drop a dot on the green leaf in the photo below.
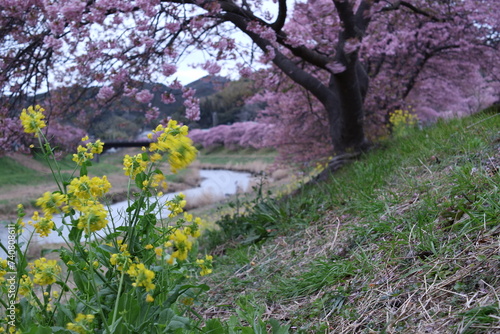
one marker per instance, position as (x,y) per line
(60,330)
(48,251)
(83,170)
(108,249)
(173,321)
(214,326)
(37,329)
(75,234)
(277,328)
(114,326)
(64,309)
(139,179)
(133,207)
(80,281)
(180,289)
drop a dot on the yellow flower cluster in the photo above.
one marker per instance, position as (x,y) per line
(51,203)
(399,119)
(121,260)
(83,193)
(3,269)
(174,141)
(205,265)
(176,205)
(25,285)
(32,119)
(138,271)
(135,165)
(155,181)
(93,217)
(181,244)
(193,229)
(143,276)
(82,324)
(84,188)
(85,153)
(43,225)
(45,271)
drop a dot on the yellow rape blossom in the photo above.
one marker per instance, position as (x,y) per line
(3,269)
(143,276)
(134,165)
(42,225)
(193,229)
(85,153)
(82,155)
(400,120)
(158,251)
(25,285)
(45,271)
(182,153)
(176,205)
(149,299)
(205,265)
(51,202)
(93,217)
(174,141)
(121,260)
(155,157)
(82,324)
(32,119)
(85,188)
(181,244)
(96,148)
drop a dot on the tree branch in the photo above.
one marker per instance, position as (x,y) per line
(280,20)
(398,4)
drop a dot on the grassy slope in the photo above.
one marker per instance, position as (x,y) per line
(404,240)
(12,173)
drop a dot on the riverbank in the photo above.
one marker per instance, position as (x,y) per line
(25,178)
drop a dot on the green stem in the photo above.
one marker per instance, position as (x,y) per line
(115,312)
(56,174)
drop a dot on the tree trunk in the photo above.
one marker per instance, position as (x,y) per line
(345,108)
(343,97)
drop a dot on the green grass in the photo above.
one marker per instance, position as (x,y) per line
(11,173)
(403,240)
(222,156)
(104,164)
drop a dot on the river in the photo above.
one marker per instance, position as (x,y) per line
(216,183)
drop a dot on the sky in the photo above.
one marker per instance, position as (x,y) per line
(187,74)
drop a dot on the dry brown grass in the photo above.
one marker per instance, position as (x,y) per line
(253,167)
(202,200)
(388,300)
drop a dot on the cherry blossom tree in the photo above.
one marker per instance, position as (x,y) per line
(332,62)
(437,58)
(237,135)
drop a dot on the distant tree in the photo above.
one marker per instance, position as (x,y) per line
(234,136)
(323,52)
(227,105)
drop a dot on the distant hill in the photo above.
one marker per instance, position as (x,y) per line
(222,101)
(121,118)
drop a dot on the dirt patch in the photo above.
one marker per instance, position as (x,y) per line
(29,162)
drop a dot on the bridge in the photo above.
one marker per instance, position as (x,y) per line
(120,144)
